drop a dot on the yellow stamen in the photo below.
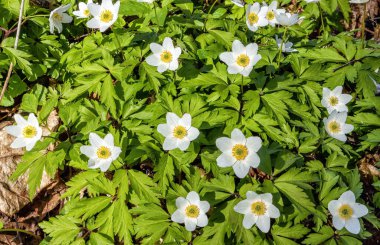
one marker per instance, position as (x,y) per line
(345,211)
(86,12)
(259,208)
(57,17)
(29,131)
(243,60)
(166,56)
(179,132)
(103,152)
(334,127)
(106,16)
(270,15)
(239,151)
(192,211)
(253,18)
(333,100)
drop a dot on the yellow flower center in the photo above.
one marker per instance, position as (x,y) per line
(106,16)
(270,15)
(334,127)
(192,211)
(86,12)
(103,152)
(239,151)
(29,131)
(345,211)
(333,100)
(166,56)
(253,18)
(179,132)
(243,60)
(57,17)
(259,208)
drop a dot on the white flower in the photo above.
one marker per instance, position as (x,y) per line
(238,152)
(178,132)
(336,126)
(346,211)
(256,16)
(239,3)
(272,10)
(286,47)
(27,132)
(164,56)
(145,1)
(191,211)
(257,209)
(311,1)
(335,100)
(359,1)
(57,17)
(287,19)
(104,15)
(102,152)
(242,59)
(83,11)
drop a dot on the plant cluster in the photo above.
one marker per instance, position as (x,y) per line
(193,122)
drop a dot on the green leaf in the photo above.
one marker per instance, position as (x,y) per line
(29,103)
(62,229)
(144,186)
(164,173)
(324,55)
(318,238)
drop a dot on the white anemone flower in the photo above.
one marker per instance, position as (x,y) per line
(101,152)
(286,47)
(83,11)
(242,59)
(104,15)
(359,1)
(272,10)
(58,16)
(346,212)
(239,152)
(257,209)
(256,16)
(27,132)
(336,126)
(177,131)
(239,3)
(191,211)
(335,100)
(164,56)
(287,19)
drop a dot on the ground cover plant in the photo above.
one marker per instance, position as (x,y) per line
(194,122)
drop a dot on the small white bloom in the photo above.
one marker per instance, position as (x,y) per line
(287,19)
(242,59)
(335,100)
(257,209)
(83,11)
(238,152)
(272,10)
(57,17)
(311,1)
(177,131)
(359,1)
(239,3)
(27,132)
(191,211)
(164,56)
(256,16)
(286,47)
(346,212)
(336,126)
(104,15)
(145,1)
(101,152)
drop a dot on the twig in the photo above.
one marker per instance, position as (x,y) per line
(16,44)
(23,231)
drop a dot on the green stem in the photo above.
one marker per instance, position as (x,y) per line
(155,12)
(208,13)
(22,231)
(363,24)
(282,44)
(241,99)
(321,15)
(119,44)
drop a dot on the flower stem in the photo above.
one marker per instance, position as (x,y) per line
(321,15)
(23,231)
(363,24)
(282,44)
(241,99)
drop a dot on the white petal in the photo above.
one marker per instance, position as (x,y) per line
(347,128)
(338,222)
(89,151)
(115,151)
(202,220)
(254,143)
(116,8)
(238,47)
(30,145)
(162,67)
(32,120)
(241,170)
(333,207)
(252,160)
(246,71)
(109,139)
(107,4)
(345,98)
(183,144)
(20,120)
(104,27)
(190,224)
(224,144)
(227,57)
(192,133)
(181,203)
(249,220)
(252,49)
(178,216)
(93,23)
(225,160)
(13,130)
(263,223)
(234,69)
(204,206)
(273,211)
(169,144)
(95,140)
(251,195)
(347,197)
(153,60)
(185,120)
(173,65)
(243,207)
(18,143)
(193,198)
(177,52)
(156,48)
(168,43)
(340,137)
(172,119)
(255,59)
(353,225)
(341,116)
(359,210)
(66,18)
(326,93)
(105,165)
(237,136)
(164,129)
(94,9)
(337,90)
(267,197)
